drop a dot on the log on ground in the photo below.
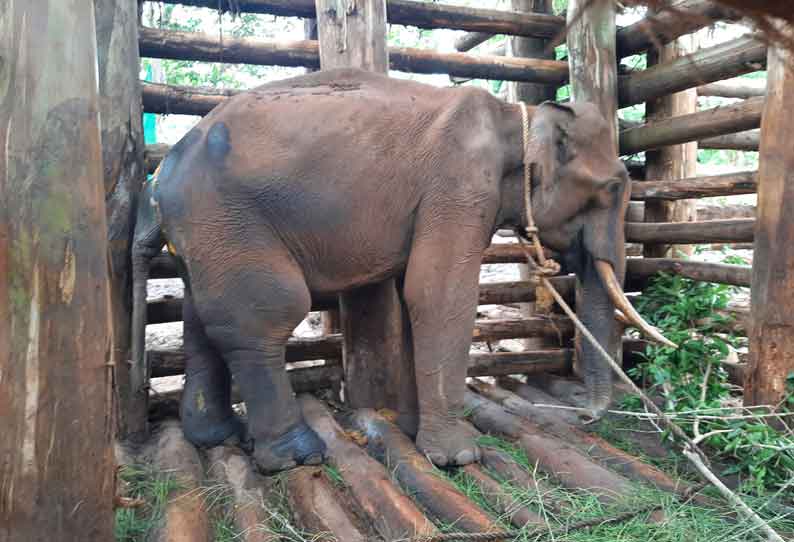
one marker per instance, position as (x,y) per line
(419,14)
(178,45)
(713,122)
(392,513)
(231,468)
(549,420)
(418,476)
(729,184)
(563,461)
(316,506)
(502,500)
(185,516)
(736,230)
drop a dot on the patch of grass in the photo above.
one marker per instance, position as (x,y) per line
(334,475)
(150,485)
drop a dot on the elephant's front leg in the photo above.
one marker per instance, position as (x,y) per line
(441,292)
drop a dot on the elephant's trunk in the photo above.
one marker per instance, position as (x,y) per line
(596,311)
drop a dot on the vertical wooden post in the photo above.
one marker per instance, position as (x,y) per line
(377,347)
(56,471)
(673,162)
(592,58)
(122,156)
(772,303)
(533,94)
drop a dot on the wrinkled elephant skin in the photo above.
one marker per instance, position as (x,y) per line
(327,182)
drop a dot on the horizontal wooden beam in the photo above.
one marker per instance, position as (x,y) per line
(173,44)
(640,270)
(713,122)
(471,40)
(742,141)
(172,362)
(691,233)
(415,13)
(181,100)
(735,88)
(729,184)
(683,17)
(736,57)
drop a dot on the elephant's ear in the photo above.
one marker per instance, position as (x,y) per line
(548,145)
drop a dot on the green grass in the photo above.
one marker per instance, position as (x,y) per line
(152,486)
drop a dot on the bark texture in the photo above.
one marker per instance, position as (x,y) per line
(57,467)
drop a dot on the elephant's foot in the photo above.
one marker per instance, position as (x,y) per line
(446,441)
(298,446)
(206,433)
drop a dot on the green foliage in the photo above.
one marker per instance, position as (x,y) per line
(692,382)
(154,488)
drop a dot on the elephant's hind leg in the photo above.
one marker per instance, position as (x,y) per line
(206,410)
(249,317)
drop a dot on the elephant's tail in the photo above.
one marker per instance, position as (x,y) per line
(147,242)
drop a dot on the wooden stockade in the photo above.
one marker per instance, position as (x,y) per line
(576,459)
(733,126)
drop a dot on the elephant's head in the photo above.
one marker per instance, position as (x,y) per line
(580,192)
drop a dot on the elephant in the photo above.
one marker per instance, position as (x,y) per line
(327,182)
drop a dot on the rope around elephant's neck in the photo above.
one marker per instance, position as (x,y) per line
(546,267)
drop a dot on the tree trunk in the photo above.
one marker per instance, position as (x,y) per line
(772,336)
(673,162)
(57,469)
(122,156)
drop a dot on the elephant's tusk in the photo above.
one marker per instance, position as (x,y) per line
(621,302)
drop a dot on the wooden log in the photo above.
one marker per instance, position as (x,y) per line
(524,362)
(592,55)
(522,47)
(122,158)
(596,447)
(507,470)
(742,141)
(391,512)
(470,40)
(717,121)
(771,359)
(56,330)
(169,309)
(502,500)
(735,88)
(231,468)
(420,14)
(172,362)
(536,394)
(354,38)
(417,475)
(729,184)
(640,270)
(565,462)
(185,517)
(674,162)
(180,45)
(712,231)
(683,17)
(736,57)
(303,380)
(182,100)
(316,506)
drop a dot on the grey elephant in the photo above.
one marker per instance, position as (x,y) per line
(327,182)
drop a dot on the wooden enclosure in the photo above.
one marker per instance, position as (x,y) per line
(667,186)
(367,348)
